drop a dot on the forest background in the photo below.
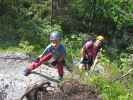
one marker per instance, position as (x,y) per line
(25,26)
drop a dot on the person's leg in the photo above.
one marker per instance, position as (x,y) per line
(60,67)
(89,67)
(90,63)
(43,59)
(82,66)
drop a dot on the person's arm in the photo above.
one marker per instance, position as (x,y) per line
(41,55)
(45,51)
(85,48)
(96,59)
(82,53)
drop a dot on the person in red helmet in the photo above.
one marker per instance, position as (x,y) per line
(89,52)
(54,52)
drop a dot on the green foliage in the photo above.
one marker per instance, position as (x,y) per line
(24,20)
(26,47)
(109,90)
(26,25)
(72,43)
(104,16)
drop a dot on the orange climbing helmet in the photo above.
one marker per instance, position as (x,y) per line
(100,38)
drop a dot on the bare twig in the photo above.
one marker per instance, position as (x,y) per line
(124,75)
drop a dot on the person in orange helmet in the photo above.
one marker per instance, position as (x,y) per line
(89,52)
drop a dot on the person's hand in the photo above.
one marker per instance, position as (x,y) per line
(26,72)
(81,59)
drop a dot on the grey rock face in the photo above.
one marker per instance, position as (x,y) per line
(12,82)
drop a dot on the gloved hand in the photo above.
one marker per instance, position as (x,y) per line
(26,72)
(54,62)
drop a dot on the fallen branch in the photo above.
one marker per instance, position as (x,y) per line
(124,75)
